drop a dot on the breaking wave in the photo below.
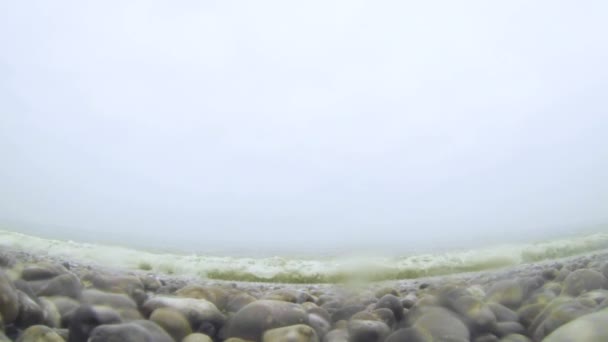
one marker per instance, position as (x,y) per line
(309,270)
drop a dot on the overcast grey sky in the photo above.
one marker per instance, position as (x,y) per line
(279,122)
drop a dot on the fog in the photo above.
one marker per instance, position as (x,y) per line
(273,125)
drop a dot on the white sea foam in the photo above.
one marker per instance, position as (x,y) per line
(302,270)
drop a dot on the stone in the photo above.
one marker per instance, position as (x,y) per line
(123,304)
(550,273)
(9,299)
(346,312)
(515,338)
(336,335)
(386,316)
(367,331)
(386,290)
(409,335)
(30,313)
(42,271)
(528,313)
(114,283)
(289,295)
(197,337)
(40,333)
(583,280)
(587,328)
(508,328)
(292,333)
(214,294)
(257,317)
(52,317)
(392,303)
(85,318)
(557,314)
(150,283)
(442,325)
(174,323)
(202,314)
(313,308)
(408,302)
(7,260)
(503,313)
(508,292)
(114,300)
(475,314)
(139,330)
(64,305)
(238,301)
(319,323)
(62,285)
(486,338)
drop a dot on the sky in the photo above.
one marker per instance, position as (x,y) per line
(316,125)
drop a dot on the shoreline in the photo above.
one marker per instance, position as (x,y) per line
(46,295)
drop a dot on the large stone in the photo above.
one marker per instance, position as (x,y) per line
(367,331)
(114,283)
(346,312)
(39,333)
(219,296)
(583,280)
(52,317)
(336,335)
(7,260)
(503,313)
(172,321)
(509,293)
(150,283)
(114,300)
(476,314)
(385,315)
(313,308)
(558,315)
(528,313)
(289,295)
(64,305)
(238,301)
(292,333)
(9,299)
(62,285)
(42,271)
(202,314)
(588,328)
(140,330)
(123,304)
(320,324)
(255,318)
(392,303)
(30,313)
(442,325)
(85,318)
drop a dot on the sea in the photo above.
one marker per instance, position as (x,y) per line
(309,268)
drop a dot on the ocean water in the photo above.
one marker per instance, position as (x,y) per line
(283,269)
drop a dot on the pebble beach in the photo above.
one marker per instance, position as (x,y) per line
(45,298)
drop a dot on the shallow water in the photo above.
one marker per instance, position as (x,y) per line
(368,267)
